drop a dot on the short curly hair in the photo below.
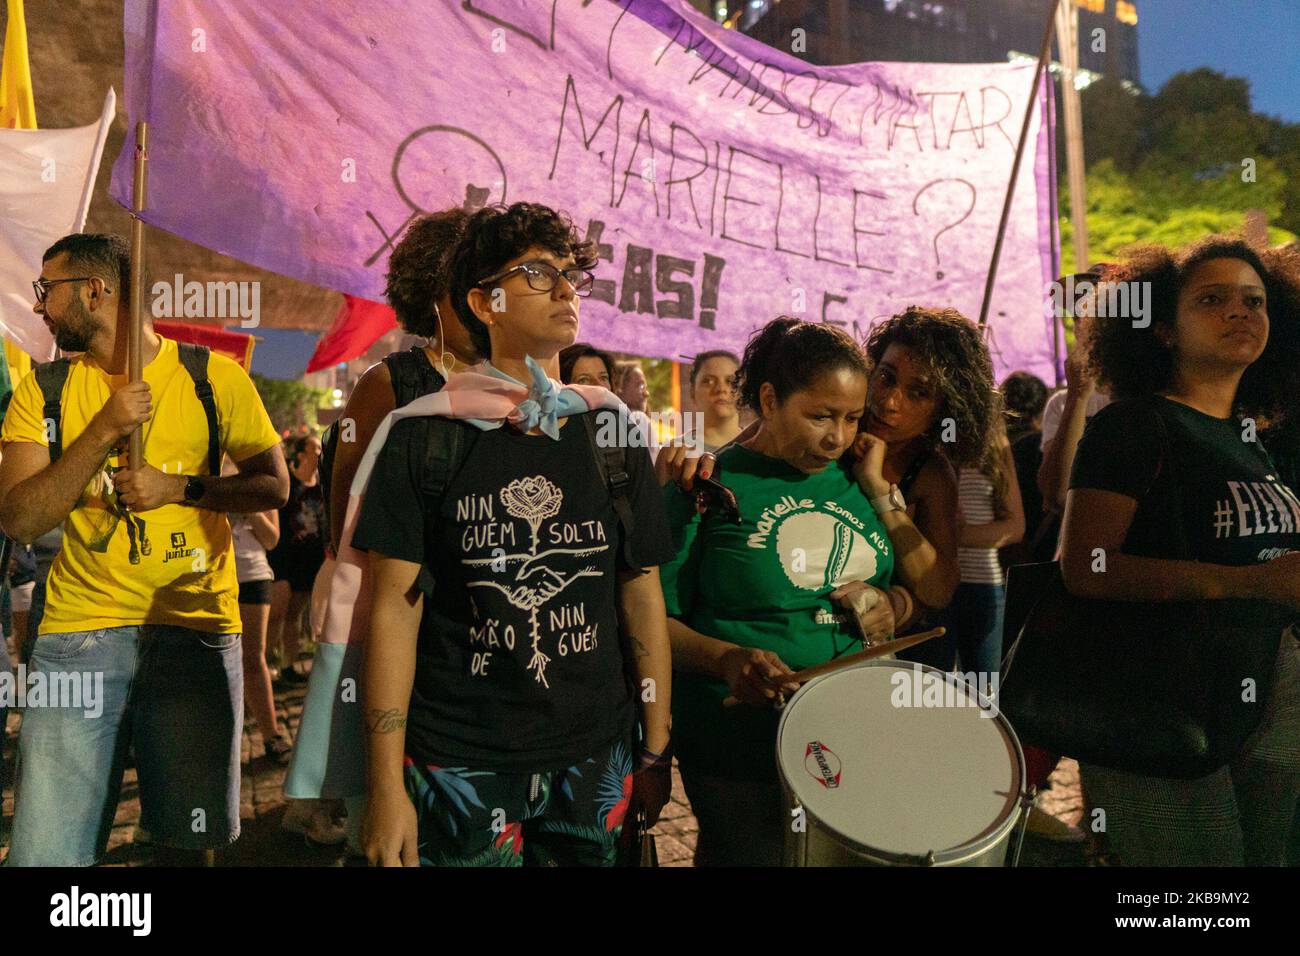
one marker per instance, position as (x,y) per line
(1129,361)
(791,354)
(496,234)
(417,269)
(953,351)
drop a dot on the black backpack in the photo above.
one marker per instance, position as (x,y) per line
(412,375)
(51,377)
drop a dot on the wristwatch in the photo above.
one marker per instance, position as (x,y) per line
(193,489)
(892,500)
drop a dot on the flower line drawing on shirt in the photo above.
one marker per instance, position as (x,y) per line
(534,500)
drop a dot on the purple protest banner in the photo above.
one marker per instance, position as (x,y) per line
(725,182)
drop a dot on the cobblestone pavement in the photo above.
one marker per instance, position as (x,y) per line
(262,805)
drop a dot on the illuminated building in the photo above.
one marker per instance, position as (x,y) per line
(940,31)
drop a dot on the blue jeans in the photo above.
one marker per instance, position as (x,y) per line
(976,614)
(4,709)
(174,696)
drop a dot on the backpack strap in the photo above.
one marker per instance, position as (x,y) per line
(412,375)
(431,380)
(329,441)
(611,464)
(51,377)
(447,447)
(195,359)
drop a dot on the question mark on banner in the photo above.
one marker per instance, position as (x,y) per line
(951,225)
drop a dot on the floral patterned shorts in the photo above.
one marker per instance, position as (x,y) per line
(569,817)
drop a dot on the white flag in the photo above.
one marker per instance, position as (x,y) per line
(46,179)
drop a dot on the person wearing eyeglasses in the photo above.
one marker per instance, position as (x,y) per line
(144,592)
(629,385)
(509,611)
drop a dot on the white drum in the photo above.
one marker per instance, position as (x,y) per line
(895,764)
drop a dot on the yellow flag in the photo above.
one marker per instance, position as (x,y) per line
(17,111)
(17,106)
(20,363)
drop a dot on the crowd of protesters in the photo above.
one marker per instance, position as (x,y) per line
(537,621)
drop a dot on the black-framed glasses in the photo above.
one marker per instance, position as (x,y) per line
(42,286)
(543,277)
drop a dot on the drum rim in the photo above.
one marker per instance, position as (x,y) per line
(952,855)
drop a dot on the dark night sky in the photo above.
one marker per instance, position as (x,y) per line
(1255,39)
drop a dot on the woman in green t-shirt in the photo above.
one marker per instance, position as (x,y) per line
(752,602)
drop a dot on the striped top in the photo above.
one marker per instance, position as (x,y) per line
(975,495)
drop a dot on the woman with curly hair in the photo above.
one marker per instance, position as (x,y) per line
(1171,485)
(752,601)
(513,592)
(932,406)
(418,288)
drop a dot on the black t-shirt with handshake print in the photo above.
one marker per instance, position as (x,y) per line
(1200,472)
(519,666)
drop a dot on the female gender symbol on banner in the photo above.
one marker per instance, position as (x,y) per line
(453,167)
(447,160)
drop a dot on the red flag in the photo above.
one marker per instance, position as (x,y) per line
(237,345)
(358,326)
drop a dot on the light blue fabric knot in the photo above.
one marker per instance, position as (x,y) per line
(538,410)
(542,407)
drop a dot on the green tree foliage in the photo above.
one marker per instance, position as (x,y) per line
(1190,160)
(290,404)
(1152,205)
(659,382)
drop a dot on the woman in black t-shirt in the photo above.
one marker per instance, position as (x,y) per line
(1172,471)
(299,554)
(509,601)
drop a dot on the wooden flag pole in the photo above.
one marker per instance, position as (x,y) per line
(1067,39)
(1044,52)
(134,343)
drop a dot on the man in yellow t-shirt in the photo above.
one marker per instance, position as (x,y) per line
(139,646)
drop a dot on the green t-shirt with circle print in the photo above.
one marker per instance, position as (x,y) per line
(765,583)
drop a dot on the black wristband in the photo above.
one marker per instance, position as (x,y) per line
(193,489)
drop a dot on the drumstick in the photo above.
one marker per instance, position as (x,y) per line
(880,650)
